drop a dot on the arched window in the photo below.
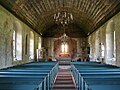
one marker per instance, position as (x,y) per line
(26,42)
(110,43)
(31,45)
(97,48)
(64,48)
(39,49)
(114,52)
(14,45)
(39,43)
(102,51)
(17,41)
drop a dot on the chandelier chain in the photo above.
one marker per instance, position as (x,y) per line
(63,18)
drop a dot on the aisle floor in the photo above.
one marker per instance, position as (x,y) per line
(64,79)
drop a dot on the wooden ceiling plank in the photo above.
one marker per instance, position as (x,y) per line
(97,9)
(88,14)
(43,8)
(101,8)
(93,8)
(82,5)
(39,9)
(107,10)
(90,8)
(18,3)
(79,7)
(36,7)
(33,10)
(78,4)
(26,17)
(48,3)
(87,5)
(100,11)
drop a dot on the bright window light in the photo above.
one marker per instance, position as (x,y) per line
(31,45)
(64,48)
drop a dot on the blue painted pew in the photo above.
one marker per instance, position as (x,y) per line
(104,87)
(12,82)
(18,76)
(46,67)
(19,87)
(51,75)
(38,64)
(97,74)
(33,71)
(94,71)
(107,82)
(21,73)
(102,78)
(88,64)
(25,76)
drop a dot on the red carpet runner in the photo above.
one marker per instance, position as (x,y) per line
(64,79)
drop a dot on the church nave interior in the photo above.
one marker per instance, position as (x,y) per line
(59,44)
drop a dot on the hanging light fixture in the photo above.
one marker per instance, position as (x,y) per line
(63,18)
(64,38)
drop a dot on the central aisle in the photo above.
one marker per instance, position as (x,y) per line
(64,79)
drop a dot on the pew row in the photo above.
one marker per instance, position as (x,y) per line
(95,76)
(30,76)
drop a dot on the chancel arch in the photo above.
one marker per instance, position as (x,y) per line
(65,50)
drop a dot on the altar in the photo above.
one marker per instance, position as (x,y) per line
(64,60)
(64,55)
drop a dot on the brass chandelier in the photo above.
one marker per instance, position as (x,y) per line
(63,18)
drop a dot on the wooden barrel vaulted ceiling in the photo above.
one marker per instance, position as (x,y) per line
(38,14)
